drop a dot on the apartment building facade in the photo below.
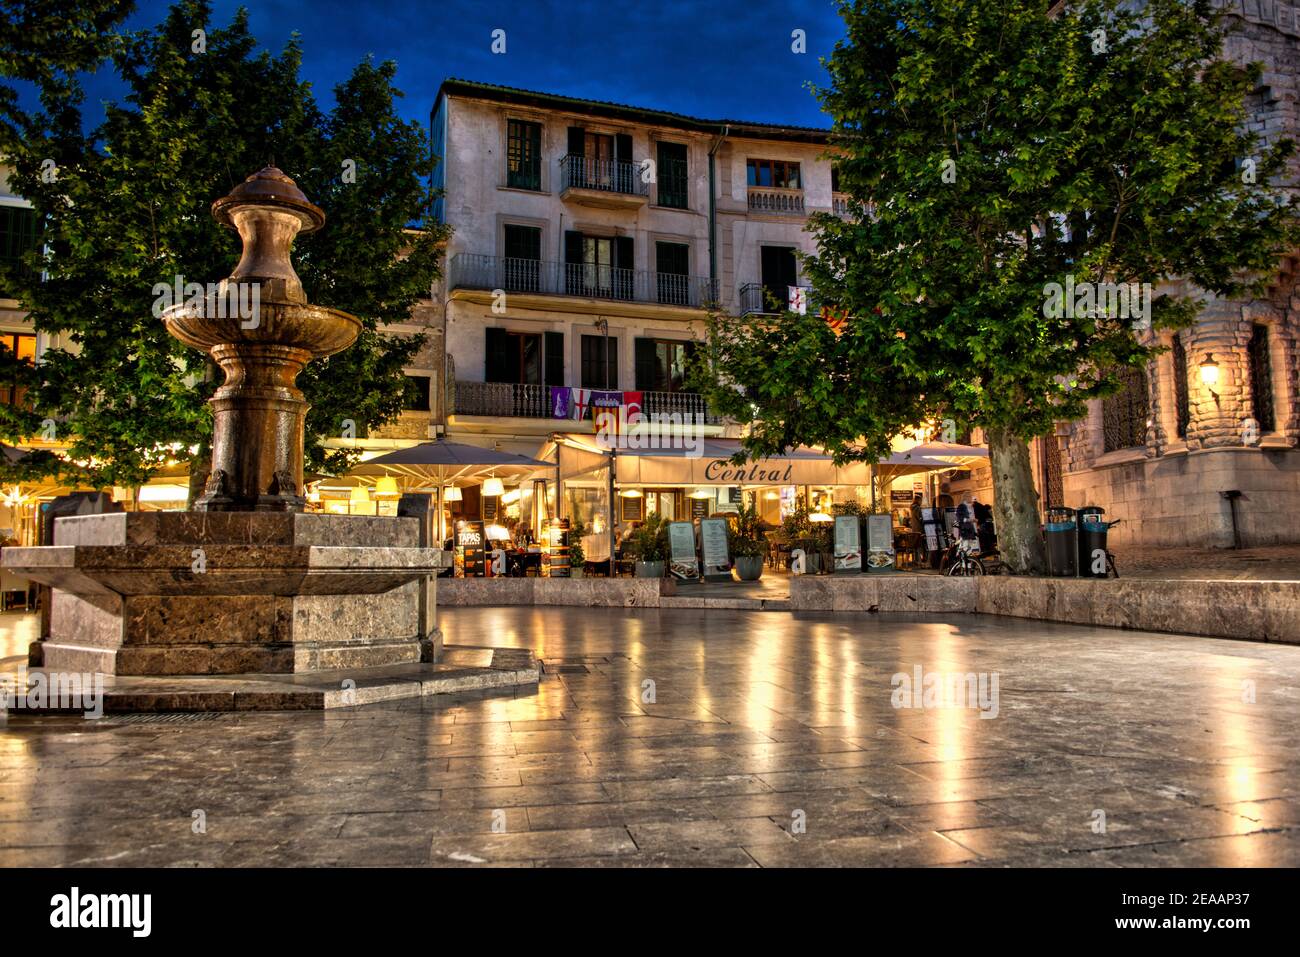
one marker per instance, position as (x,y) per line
(590,240)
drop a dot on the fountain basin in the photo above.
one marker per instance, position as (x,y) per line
(197,593)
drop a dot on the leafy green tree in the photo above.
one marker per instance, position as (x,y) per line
(992,149)
(130,209)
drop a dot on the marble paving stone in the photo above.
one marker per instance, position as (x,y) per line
(757,715)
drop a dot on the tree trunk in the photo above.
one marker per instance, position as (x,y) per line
(1015,505)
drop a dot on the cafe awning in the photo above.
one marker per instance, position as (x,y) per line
(706,463)
(432,464)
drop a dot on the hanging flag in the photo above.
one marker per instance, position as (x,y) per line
(559,402)
(798,299)
(605,410)
(632,402)
(581,399)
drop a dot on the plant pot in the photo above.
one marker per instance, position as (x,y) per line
(575,571)
(812,563)
(649,569)
(749,568)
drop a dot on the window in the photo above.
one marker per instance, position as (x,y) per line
(17,236)
(522,266)
(596,365)
(526,358)
(600,161)
(779,174)
(672,279)
(416,398)
(835,179)
(1124,414)
(599,266)
(523,155)
(1182,410)
(23,346)
(661,365)
(1261,379)
(671,173)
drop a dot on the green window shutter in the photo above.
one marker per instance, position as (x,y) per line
(498,357)
(644,354)
(554,368)
(671,175)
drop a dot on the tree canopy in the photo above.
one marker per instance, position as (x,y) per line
(991,150)
(128,208)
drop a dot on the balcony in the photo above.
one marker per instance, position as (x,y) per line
(604,184)
(776,202)
(524,401)
(754,301)
(472,271)
(840,205)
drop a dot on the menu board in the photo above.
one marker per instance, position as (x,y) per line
(880,543)
(930,524)
(713,543)
(681,552)
(848,544)
(469,548)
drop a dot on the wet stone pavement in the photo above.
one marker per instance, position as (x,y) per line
(765,739)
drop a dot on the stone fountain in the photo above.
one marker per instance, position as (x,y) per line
(246,583)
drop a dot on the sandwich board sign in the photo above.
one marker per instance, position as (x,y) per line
(848,544)
(682,562)
(713,543)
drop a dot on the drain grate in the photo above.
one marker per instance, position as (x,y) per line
(169,717)
(567,670)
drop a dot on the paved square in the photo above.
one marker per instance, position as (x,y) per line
(764,739)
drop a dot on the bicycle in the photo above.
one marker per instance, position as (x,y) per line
(968,559)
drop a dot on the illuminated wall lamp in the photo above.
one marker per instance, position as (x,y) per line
(1210,375)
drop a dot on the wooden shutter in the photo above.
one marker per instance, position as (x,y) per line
(498,357)
(554,368)
(645,364)
(623,252)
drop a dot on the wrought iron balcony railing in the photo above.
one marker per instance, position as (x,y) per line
(755,299)
(472,271)
(522,400)
(610,176)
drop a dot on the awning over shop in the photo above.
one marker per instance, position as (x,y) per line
(707,464)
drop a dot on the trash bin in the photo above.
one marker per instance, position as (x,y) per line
(1062,542)
(1092,541)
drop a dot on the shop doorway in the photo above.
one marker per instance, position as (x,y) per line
(664,502)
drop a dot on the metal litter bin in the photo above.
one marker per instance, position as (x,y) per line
(1062,542)
(1092,542)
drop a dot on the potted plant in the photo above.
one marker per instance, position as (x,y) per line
(748,544)
(577,555)
(803,533)
(649,544)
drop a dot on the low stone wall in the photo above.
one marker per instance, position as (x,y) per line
(583,592)
(1258,610)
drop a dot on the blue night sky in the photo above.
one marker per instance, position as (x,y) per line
(725,59)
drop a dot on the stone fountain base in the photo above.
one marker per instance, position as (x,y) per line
(233,593)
